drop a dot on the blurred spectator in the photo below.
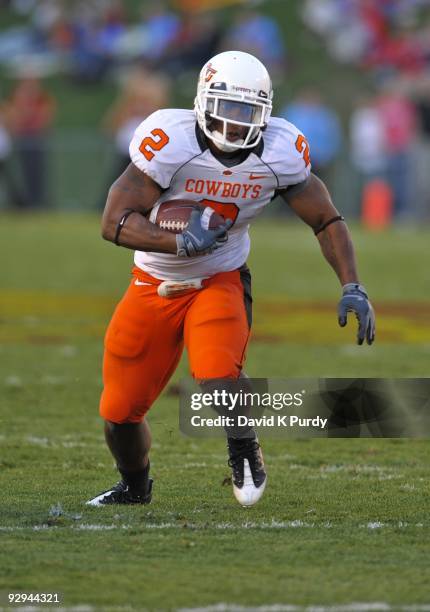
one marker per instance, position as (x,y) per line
(259,35)
(30,113)
(367,140)
(421,159)
(389,37)
(111,27)
(320,125)
(161,27)
(83,38)
(322,16)
(368,154)
(91,39)
(399,121)
(142,94)
(13,197)
(338,21)
(95,39)
(196,40)
(45,15)
(23,7)
(401,52)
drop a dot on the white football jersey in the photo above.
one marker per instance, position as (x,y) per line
(168,147)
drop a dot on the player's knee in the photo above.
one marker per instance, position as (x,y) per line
(116,408)
(211,362)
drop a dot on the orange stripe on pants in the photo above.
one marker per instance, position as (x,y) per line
(145,338)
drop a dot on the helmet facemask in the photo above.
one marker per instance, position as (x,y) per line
(232,110)
(249,114)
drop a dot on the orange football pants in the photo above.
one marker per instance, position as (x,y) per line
(147,333)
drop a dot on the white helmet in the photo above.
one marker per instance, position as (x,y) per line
(234,88)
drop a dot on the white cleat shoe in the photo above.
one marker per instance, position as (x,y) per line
(248,473)
(248,494)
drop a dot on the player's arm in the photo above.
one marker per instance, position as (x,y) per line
(130,198)
(312,203)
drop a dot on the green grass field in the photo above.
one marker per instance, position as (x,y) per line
(342,521)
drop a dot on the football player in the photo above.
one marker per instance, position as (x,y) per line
(230,154)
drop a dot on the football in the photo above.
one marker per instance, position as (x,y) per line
(173,215)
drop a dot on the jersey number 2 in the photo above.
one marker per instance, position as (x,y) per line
(302,146)
(149,145)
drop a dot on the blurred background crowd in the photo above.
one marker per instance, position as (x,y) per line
(76,78)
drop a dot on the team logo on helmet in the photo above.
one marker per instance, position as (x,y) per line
(210,71)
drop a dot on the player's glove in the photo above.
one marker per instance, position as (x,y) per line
(354,299)
(196,240)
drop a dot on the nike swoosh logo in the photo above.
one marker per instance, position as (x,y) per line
(254,177)
(138,282)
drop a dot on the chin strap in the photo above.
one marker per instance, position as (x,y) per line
(327,223)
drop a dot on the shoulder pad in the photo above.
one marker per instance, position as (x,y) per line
(163,142)
(286,151)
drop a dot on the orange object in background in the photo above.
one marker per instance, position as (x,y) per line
(377,205)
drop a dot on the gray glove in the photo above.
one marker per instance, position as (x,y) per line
(354,299)
(196,240)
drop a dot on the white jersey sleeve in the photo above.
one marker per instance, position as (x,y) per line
(286,152)
(162,143)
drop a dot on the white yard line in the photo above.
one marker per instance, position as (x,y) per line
(97,527)
(180,525)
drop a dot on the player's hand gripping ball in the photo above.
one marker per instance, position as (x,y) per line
(200,230)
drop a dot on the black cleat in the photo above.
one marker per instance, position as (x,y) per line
(248,473)
(120,494)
